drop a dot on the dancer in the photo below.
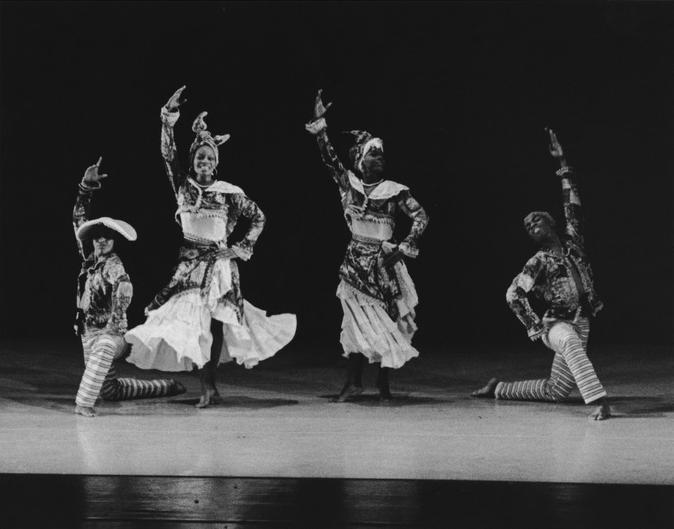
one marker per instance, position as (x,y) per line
(561,275)
(200,318)
(376,291)
(104,293)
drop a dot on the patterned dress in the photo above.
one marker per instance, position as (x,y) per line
(205,285)
(378,301)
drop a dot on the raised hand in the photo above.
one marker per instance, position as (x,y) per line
(319,108)
(555,147)
(176,99)
(92,177)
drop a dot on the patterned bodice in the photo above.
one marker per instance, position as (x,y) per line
(203,212)
(368,225)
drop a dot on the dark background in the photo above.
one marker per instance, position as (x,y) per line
(460,93)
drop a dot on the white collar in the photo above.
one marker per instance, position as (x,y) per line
(218,186)
(385,189)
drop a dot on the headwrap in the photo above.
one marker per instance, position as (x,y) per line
(543,214)
(364,143)
(204,137)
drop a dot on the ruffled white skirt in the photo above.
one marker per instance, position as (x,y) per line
(368,329)
(177,336)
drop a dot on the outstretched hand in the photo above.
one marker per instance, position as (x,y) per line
(319,108)
(555,147)
(176,99)
(91,176)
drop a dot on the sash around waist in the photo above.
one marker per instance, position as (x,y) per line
(194,241)
(367,240)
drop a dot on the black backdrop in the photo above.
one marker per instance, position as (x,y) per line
(460,92)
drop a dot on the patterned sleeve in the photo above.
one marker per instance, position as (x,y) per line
(169,150)
(409,205)
(516,297)
(572,205)
(339,174)
(249,209)
(81,211)
(122,292)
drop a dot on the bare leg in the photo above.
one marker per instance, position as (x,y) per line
(354,378)
(487,391)
(383,384)
(207,375)
(602,411)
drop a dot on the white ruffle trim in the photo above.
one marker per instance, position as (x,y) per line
(368,329)
(177,336)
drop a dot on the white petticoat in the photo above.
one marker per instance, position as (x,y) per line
(177,335)
(368,329)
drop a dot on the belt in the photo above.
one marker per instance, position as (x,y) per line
(366,240)
(199,242)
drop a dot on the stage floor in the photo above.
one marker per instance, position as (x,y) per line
(277,421)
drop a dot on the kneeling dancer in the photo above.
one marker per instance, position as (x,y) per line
(104,293)
(561,275)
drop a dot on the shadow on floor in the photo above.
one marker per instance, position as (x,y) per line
(399,400)
(641,407)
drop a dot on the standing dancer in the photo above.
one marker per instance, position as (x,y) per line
(376,291)
(104,293)
(561,275)
(200,318)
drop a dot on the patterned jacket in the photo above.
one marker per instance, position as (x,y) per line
(104,289)
(549,277)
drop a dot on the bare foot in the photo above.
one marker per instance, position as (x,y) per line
(601,413)
(347,392)
(208,397)
(85,411)
(486,392)
(177,388)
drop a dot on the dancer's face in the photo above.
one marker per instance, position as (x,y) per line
(539,228)
(204,163)
(373,165)
(103,241)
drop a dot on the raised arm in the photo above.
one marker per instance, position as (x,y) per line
(318,127)
(81,212)
(516,297)
(249,209)
(170,113)
(570,195)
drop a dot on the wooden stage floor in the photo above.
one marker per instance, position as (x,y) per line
(277,440)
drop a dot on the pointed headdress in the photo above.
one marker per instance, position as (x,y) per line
(203,137)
